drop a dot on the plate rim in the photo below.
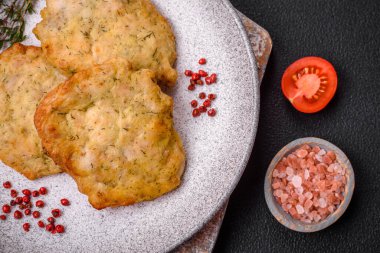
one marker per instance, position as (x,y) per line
(256,102)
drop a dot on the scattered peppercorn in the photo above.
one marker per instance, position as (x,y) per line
(202,61)
(7,185)
(27,211)
(26,227)
(17,215)
(211,112)
(41,224)
(6,209)
(194,103)
(43,191)
(14,193)
(188,73)
(50,227)
(26,192)
(3,217)
(65,202)
(60,229)
(40,203)
(36,214)
(202,73)
(35,194)
(202,95)
(56,213)
(26,199)
(196,113)
(51,220)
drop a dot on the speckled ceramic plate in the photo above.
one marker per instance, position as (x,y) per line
(217,148)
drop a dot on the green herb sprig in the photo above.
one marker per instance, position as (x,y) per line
(12,20)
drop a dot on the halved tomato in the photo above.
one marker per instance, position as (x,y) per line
(309,84)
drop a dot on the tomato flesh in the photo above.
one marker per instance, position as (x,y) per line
(309,84)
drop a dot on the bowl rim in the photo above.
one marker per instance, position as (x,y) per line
(283,217)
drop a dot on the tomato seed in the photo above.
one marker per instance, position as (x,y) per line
(40,203)
(211,112)
(65,202)
(7,185)
(6,209)
(202,61)
(188,72)
(17,215)
(36,214)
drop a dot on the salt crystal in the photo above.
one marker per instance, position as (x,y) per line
(284,197)
(331,168)
(275,173)
(332,155)
(301,153)
(289,171)
(299,190)
(288,206)
(343,172)
(301,199)
(282,175)
(322,152)
(278,193)
(338,178)
(331,209)
(303,164)
(322,202)
(318,158)
(289,178)
(297,181)
(307,174)
(317,218)
(316,149)
(300,209)
(308,204)
(308,195)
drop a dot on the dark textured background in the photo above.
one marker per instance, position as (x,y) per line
(346,33)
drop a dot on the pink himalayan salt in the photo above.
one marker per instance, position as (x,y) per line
(297,181)
(317,182)
(300,209)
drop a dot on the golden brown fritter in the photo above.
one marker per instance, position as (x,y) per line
(76,34)
(25,77)
(112,130)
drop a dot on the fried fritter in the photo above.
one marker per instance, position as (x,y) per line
(77,34)
(111,129)
(25,77)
